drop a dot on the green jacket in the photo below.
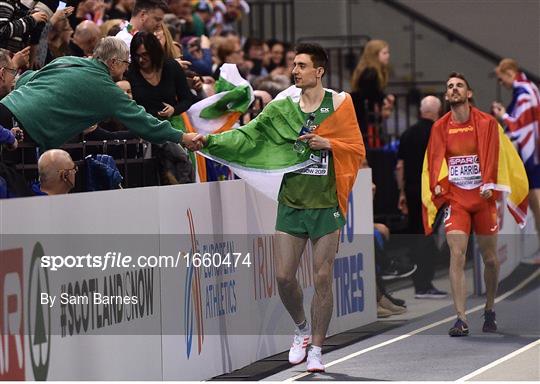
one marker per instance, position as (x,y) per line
(71,94)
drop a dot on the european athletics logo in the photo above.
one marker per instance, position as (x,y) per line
(193,316)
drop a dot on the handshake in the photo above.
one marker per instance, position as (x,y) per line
(193,141)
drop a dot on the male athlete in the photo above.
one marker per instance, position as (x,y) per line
(312,200)
(468,140)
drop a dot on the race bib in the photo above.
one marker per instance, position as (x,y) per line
(320,168)
(464,171)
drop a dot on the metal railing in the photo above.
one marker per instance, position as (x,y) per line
(271,19)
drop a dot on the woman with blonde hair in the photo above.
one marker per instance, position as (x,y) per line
(368,82)
(164,36)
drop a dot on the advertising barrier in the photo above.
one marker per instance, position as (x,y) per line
(214,310)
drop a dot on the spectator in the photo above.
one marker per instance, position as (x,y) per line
(369,79)
(7,76)
(198,53)
(254,54)
(160,86)
(58,39)
(228,13)
(16,24)
(125,86)
(111,27)
(412,147)
(147,17)
(522,123)
(68,105)
(192,24)
(84,41)
(165,38)
(87,10)
(286,70)
(204,11)
(175,25)
(42,35)
(56,173)
(277,55)
(158,82)
(121,9)
(7,73)
(228,50)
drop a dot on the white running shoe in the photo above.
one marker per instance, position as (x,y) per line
(314,361)
(297,353)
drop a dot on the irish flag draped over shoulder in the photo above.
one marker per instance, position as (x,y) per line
(262,151)
(501,167)
(217,113)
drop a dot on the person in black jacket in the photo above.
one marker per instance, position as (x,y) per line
(368,82)
(159,84)
(412,146)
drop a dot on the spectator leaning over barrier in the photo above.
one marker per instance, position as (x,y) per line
(56,173)
(147,17)
(56,103)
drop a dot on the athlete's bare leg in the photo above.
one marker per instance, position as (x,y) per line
(324,253)
(288,252)
(488,248)
(457,242)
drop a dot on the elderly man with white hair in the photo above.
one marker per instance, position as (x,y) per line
(412,146)
(70,94)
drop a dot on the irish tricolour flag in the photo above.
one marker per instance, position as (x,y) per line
(217,113)
(262,150)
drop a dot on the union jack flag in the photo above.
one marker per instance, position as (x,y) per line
(522,119)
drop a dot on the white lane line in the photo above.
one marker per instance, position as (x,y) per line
(497,362)
(429,326)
